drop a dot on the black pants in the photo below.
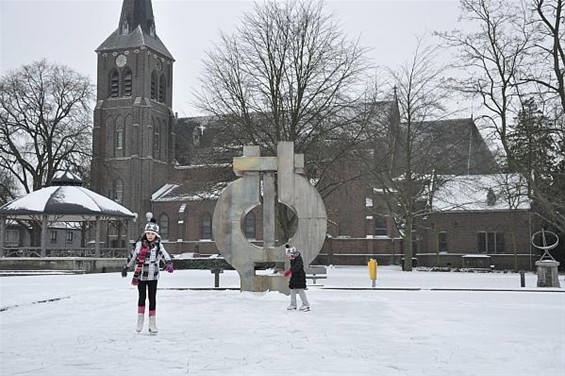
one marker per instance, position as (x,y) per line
(142,288)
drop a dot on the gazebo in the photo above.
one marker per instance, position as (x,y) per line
(66,200)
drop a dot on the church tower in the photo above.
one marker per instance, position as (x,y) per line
(133,139)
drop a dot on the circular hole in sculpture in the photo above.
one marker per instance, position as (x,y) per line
(285,223)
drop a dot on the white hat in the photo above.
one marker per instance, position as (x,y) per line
(291,251)
(152,227)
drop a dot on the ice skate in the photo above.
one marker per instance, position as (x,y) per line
(291,308)
(139,326)
(305,308)
(153,325)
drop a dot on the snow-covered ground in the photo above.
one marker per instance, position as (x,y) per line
(409,325)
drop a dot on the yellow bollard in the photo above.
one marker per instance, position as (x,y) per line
(373,271)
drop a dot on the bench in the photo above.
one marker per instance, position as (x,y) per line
(315,272)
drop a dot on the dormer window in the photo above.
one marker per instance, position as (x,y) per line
(125,27)
(197,133)
(491,197)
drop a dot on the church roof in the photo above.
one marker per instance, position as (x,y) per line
(136,29)
(457,141)
(136,39)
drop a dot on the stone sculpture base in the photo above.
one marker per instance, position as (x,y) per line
(547,273)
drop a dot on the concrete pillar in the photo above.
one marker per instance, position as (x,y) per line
(269,192)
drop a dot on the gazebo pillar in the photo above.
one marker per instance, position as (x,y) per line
(97,240)
(44,235)
(2,235)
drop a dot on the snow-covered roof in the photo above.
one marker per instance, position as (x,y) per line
(187,192)
(471,193)
(163,191)
(64,203)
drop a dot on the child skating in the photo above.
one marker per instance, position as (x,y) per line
(297,283)
(146,255)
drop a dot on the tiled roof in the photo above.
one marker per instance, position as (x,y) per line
(135,39)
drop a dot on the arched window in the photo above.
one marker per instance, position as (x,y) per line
(110,147)
(249,224)
(118,190)
(162,87)
(156,139)
(114,89)
(154,83)
(119,138)
(126,83)
(164,226)
(206,232)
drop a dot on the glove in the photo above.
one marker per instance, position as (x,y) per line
(125,272)
(135,281)
(169,267)
(287,273)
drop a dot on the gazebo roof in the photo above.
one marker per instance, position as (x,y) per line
(67,201)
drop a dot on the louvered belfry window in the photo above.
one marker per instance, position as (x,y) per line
(154,86)
(114,84)
(162,86)
(127,83)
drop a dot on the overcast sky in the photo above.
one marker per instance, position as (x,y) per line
(69,31)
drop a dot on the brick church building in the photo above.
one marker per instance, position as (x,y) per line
(148,160)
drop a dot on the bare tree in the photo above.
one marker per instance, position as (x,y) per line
(548,72)
(548,23)
(411,162)
(45,123)
(7,187)
(492,58)
(287,74)
(45,126)
(517,54)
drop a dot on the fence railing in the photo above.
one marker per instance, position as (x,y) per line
(64,252)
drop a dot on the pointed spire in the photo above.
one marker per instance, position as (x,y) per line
(137,13)
(136,29)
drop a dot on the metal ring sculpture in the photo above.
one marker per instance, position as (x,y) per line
(546,248)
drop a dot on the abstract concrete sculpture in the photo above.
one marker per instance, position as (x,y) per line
(244,194)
